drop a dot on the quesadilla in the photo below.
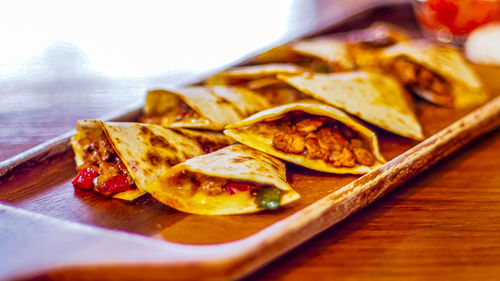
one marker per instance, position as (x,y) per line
(344,52)
(232,180)
(323,54)
(209,108)
(374,97)
(436,73)
(312,135)
(365,45)
(355,49)
(262,80)
(119,159)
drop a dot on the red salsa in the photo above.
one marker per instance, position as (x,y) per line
(102,169)
(460,17)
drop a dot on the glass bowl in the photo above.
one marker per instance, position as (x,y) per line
(450,21)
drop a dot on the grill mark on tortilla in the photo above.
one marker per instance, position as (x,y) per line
(221,100)
(275,166)
(153,158)
(144,131)
(172,161)
(241,159)
(186,156)
(160,141)
(181,133)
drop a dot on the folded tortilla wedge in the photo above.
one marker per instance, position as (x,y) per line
(209,108)
(374,97)
(139,152)
(233,180)
(323,54)
(262,80)
(313,135)
(243,74)
(354,49)
(365,45)
(436,73)
(334,53)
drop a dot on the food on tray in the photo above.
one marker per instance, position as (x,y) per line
(358,48)
(119,159)
(233,180)
(366,44)
(210,141)
(261,79)
(373,97)
(209,108)
(436,73)
(313,135)
(204,172)
(322,54)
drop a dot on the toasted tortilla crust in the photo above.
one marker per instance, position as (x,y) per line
(245,101)
(242,132)
(337,51)
(146,150)
(84,129)
(201,137)
(236,162)
(215,112)
(253,72)
(217,106)
(330,50)
(447,62)
(374,97)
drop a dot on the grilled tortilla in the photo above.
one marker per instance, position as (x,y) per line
(328,54)
(125,157)
(241,74)
(354,49)
(233,180)
(323,54)
(436,73)
(312,135)
(365,45)
(373,97)
(209,108)
(262,80)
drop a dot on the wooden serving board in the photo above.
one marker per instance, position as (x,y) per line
(49,229)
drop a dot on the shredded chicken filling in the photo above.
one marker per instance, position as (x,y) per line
(412,74)
(319,138)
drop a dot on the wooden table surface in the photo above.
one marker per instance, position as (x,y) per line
(443,225)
